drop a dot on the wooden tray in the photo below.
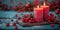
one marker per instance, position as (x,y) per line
(30,24)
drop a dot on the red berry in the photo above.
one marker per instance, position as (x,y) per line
(23,9)
(34,21)
(27,15)
(59,24)
(15,7)
(7,24)
(48,21)
(16,15)
(27,5)
(14,24)
(25,20)
(51,14)
(16,28)
(30,21)
(19,18)
(59,16)
(52,25)
(57,11)
(49,18)
(53,19)
(29,9)
(0,4)
(31,14)
(18,10)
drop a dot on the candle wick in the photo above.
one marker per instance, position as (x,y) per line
(44,3)
(38,6)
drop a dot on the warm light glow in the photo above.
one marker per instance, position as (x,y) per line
(44,3)
(38,6)
(27,4)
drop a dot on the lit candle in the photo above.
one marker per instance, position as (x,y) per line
(45,11)
(38,14)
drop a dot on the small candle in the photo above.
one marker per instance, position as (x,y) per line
(38,14)
(45,11)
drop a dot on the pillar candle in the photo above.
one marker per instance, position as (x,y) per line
(45,11)
(38,14)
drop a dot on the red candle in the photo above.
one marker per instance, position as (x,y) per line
(45,11)
(38,14)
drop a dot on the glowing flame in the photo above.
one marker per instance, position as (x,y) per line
(44,3)
(38,6)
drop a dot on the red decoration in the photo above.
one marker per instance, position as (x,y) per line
(57,11)
(30,14)
(16,28)
(4,6)
(24,20)
(35,2)
(1,6)
(15,8)
(48,21)
(51,19)
(29,9)
(19,18)
(7,24)
(27,5)
(16,15)
(52,25)
(51,14)
(27,19)
(59,16)
(59,24)
(18,10)
(23,9)
(14,24)
(32,20)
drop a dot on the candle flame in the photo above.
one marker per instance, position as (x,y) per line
(44,3)
(38,6)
